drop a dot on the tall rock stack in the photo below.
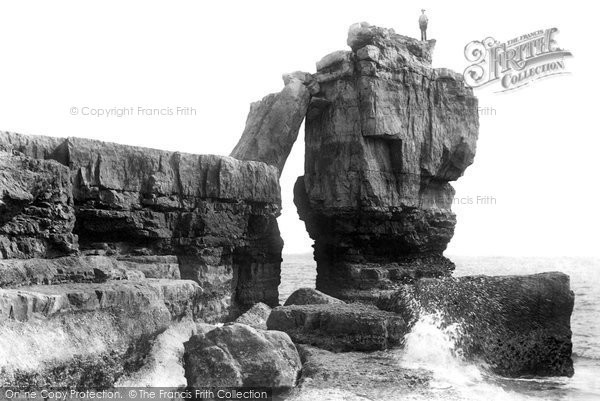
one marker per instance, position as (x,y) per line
(385,135)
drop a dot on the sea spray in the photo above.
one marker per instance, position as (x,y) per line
(87,352)
(434,345)
(38,345)
(300,271)
(163,366)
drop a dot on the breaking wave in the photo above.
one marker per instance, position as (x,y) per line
(433,346)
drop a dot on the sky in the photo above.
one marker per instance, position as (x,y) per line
(537,155)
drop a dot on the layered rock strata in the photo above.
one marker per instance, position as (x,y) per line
(385,135)
(109,245)
(36,208)
(214,216)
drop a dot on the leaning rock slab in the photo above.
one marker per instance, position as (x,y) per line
(273,123)
(518,325)
(339,327)
(238,355)
(310,296)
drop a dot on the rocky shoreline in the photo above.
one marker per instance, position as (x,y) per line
(127,266)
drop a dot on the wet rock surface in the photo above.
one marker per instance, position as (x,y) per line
(238,355)
(339,327)
(86,336)
(518,325)
(355,376)
(384,136)
(163,366)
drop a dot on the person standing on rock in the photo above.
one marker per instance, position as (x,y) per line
(423,20)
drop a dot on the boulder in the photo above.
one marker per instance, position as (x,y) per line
(384,137)
(273,123)
(256,316)
(238,355)
(518,325)
(339,327)
(310,296)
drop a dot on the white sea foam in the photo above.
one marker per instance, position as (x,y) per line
(163,366)
(431,346)
(31,346)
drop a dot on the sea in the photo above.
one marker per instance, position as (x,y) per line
(429,347)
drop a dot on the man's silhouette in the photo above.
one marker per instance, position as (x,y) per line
(423,25)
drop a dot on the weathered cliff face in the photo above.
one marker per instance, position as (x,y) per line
(384,136)
(129,239)
(36,208)
(216,215)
